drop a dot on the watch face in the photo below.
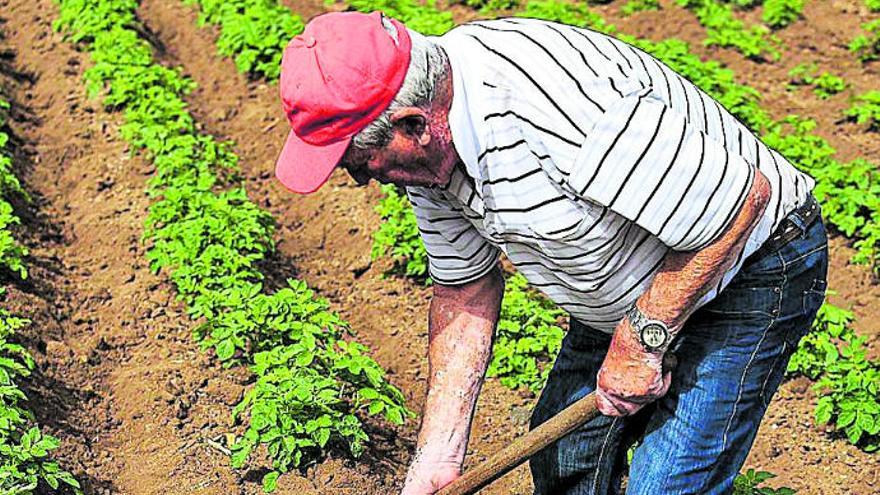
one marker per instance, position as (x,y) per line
(654,335)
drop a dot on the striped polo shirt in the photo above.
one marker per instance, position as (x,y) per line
(585,161)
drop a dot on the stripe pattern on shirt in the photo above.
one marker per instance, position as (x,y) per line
(586,161)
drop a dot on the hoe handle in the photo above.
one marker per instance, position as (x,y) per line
(526,446)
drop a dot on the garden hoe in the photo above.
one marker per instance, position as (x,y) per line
(526,446)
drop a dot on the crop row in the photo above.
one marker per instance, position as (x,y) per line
(866,46)
(312,386)
(725,30)
(757,42)
(24,449)
(847,381)
(849,193)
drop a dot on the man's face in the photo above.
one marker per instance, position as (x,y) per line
(413,157)
(420,153)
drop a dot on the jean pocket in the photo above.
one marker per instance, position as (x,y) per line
(812,300)
(814,297)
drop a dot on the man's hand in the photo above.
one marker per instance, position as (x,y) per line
(425,478)
(630,376)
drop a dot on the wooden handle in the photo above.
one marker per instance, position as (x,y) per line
(524,447)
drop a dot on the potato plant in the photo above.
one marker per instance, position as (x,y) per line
(25,463)
(819,349)
(749,483)
(824,85)
(866,46)
(849,396)
(780,13)
(205,233)
(11,252)
(528,338)
(848,381)
(253,32)
(398,236)
(725,30)
(866,110)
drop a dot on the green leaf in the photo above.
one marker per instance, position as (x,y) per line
(270,481)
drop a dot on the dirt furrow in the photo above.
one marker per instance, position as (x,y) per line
(120,380)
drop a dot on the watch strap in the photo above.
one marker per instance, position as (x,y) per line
(658,340)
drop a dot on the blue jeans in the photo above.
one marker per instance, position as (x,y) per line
(732,356)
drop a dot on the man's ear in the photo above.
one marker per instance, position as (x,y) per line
(412,122)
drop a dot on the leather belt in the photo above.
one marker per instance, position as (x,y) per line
(793,225)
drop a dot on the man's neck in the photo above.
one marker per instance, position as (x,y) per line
(448,156)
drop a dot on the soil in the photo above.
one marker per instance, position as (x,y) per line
(140,410)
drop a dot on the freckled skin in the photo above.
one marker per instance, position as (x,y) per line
(631,377)
(461,325)
(463,318)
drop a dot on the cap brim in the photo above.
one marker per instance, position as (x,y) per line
(304,167)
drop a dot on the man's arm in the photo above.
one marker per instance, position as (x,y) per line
(461,325)
(630,377)
(686,276)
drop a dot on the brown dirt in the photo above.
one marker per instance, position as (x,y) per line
(120,381)
(140,410)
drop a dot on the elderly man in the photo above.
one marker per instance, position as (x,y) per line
(618,188)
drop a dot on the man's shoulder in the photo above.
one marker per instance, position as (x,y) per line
(498,25)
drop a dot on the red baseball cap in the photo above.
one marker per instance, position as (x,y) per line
(341,73)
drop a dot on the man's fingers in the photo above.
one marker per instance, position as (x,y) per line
(605,406)
(669,364)
(613,406)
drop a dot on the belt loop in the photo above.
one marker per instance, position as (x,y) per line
(805,215)
(797,218)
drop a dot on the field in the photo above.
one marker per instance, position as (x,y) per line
(152,261)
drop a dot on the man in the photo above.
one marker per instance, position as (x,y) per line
(628,196)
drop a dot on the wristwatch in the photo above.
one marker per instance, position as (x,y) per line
(653,334)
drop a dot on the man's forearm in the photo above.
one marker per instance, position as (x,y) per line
(632,376)
(685,277)
(461,325)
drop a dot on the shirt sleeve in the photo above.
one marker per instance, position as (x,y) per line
(457,253)
(647,162)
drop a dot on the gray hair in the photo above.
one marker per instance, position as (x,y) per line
(426,68)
